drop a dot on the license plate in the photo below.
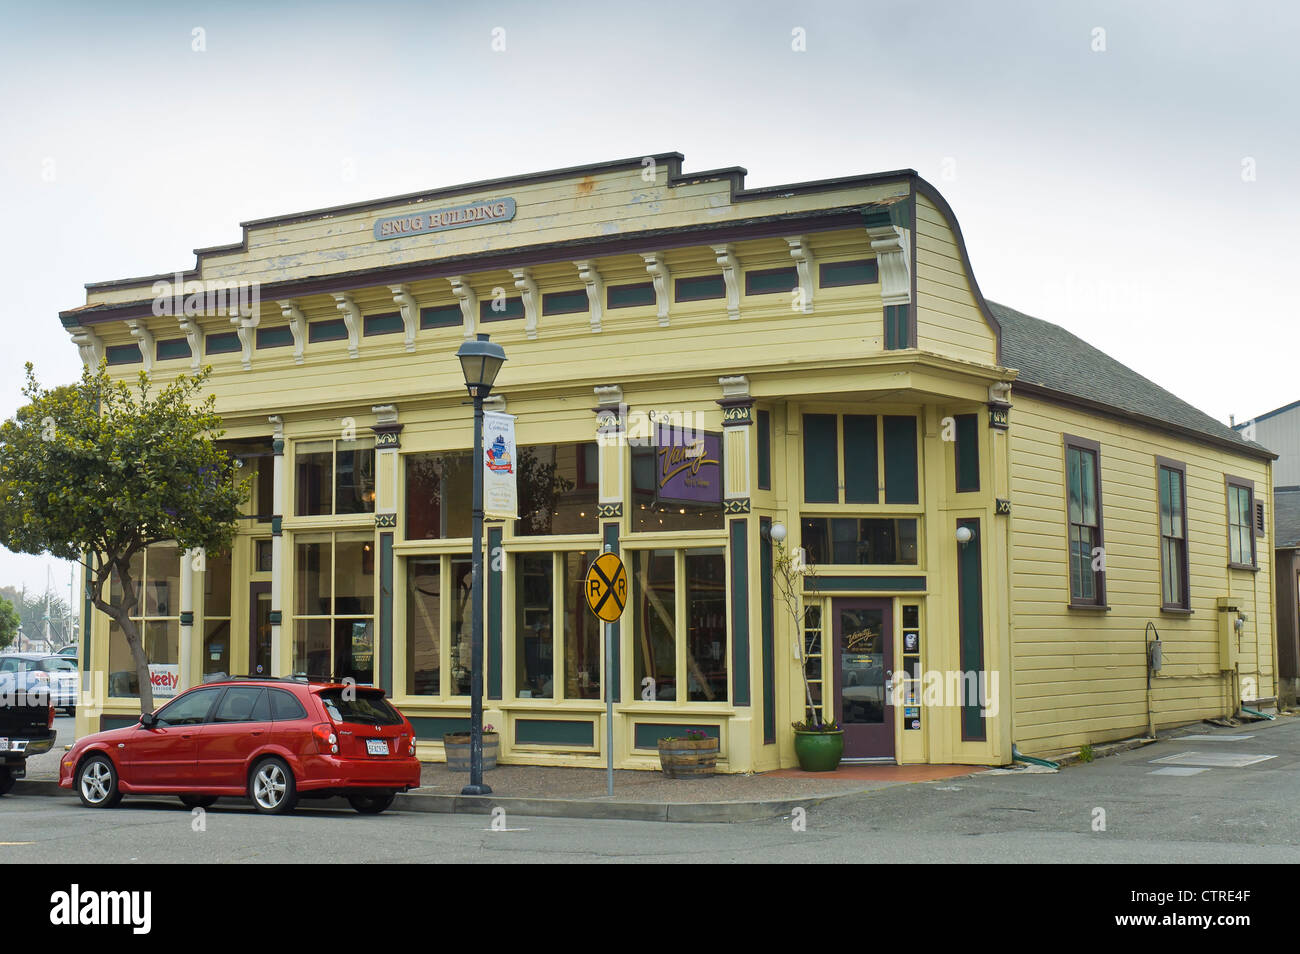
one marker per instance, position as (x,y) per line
(377,746)
(4,744)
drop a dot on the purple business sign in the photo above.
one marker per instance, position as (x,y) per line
(688,467)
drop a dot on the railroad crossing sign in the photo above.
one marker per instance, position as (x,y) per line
(606,587)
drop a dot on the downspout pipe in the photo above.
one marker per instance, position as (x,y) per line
(1257,713)
(1017,756)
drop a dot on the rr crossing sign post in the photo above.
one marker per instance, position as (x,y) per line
(606,590)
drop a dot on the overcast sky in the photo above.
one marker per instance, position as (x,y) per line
(1127,170)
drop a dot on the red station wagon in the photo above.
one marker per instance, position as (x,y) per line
(274,740)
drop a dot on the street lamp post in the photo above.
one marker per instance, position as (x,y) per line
(480,360)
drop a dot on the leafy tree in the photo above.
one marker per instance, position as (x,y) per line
(98,471)
(9,622)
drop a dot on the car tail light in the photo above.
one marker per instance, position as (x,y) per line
(49,724)
(326,741)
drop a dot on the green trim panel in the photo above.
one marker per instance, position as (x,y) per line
(966,453)
(769,630)
(432,728)
(840,584)
(771,281)
(278,336)
(611,541)
(820,459)
(389,323)
(646,735)
(554,732)
(630,296)
(331,329)
(493,615)
(386,612)
(222,342)
(861,461)
(900,460)
(169,349)
(764,441)
(123,354)
(565,302)
(970,623)
(898,334)
(740,611)
(699,288)
(441,316)
(510,308)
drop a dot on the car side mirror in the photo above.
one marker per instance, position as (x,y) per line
(148,720)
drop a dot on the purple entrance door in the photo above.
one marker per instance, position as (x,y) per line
(864,648)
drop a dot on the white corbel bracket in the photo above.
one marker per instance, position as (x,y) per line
(527,286)
(351,319)
(406,304)
(654,264)
(140,332)
(297,326)
(89,345)
(726,256)
(193,337)
(892,246)
(460,287)
(595,290)
(803,263)
(244,325)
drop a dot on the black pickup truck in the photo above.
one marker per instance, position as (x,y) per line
(26,724)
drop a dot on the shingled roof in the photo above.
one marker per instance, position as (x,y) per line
(1051,358)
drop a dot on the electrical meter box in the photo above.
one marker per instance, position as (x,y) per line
(1228,616)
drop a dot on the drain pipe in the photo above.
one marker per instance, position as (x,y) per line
(1255,712)
(1152,649)
(1016,756)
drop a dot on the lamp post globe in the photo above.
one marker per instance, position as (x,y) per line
(480,361)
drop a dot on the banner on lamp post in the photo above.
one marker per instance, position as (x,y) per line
(500,489)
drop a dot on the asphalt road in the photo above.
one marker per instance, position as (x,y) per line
(1220,814)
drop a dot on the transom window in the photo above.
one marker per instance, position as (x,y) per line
(334,477)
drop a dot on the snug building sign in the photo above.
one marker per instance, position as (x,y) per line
(440,220)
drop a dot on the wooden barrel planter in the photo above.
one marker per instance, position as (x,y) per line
(688,758)
(456,745)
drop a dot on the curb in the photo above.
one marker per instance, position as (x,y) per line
(684,812)
(1103,750)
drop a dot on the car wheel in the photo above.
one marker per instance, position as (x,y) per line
(271,787)
(372,804)
(97,783)
(198,801)
(6,781)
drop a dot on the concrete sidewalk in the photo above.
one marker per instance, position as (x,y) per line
(545,791)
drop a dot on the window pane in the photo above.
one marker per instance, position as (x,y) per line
(162,638)
(878,541)
(216,585)
(312,569)
(162,594)
(354,650)
(136,567)
(190,709)
(655,653)
(706,621)
(1088,487)
(557,489)
(1073,480)
(581,632)
(439,494)
(461,622)
(243,704)
(534,626)
(354,476)
(122,680)
(311,648)
(216,647)
(354,575)
(423,643)
(313,477)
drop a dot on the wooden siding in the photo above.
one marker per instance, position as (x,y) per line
(1080,675)
(949,320)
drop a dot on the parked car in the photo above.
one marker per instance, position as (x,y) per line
(59,673)
(274,740)
(72,649)
(26,723)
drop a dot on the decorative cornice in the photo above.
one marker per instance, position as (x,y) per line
(89,344)
(141,333)
(892,246)
(297,326)
(351,319)
(527,286)
(662,278)
(726,256)
(464,292)
(387,430)
(737,415)
(595,290)
(735,387)
(1000,416)
(410,311)
(803,263)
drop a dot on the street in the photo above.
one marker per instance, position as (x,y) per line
(1141,812)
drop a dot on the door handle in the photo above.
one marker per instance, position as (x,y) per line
(256,732)
(187,735)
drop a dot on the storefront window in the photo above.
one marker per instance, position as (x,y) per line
(424,627)
(155,573)
(255,462)
(334,607)
(663,662)
(216,616)
(439,494)
(462,622)
(678,486)
(876,541)
(548,656)
(557,489)
(334,477)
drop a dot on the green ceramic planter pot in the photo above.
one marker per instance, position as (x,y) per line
(819,751)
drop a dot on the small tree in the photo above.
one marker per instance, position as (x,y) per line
(792,577)
(97,471)
(9,622)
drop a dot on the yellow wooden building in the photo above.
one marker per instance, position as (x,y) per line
(1001,519)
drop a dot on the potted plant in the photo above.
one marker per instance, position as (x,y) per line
(818,742)
(456,745)
(693,755)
